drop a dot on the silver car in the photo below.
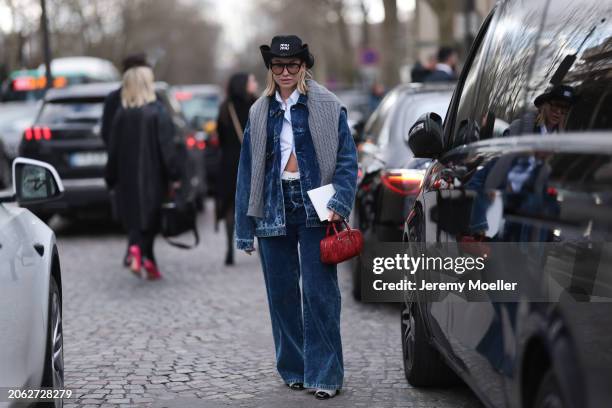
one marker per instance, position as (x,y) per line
(31,346)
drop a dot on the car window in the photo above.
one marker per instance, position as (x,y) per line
(575,54)
(462,125)
(396,153)
(71,111)
(204,106)
(391,121)
(375,124)
(506,69)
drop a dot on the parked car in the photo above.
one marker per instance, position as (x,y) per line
(82,70)
(24,85)
(66,133)
(547,187)
(200,105)
(389,174)
(31,345)
(15,117)
(28,85)
(357,105)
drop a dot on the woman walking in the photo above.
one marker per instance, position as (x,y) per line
(297,138)
(233,115)
(142,161)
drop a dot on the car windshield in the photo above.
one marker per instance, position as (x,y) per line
(408,110)
(201,106)
(77,111)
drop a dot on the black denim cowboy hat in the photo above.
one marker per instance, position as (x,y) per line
(557,92)
(286,46)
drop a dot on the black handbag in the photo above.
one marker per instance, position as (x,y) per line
(178,216)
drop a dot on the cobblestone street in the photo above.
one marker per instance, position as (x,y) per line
(201,337)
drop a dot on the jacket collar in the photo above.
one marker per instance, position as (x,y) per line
(275,105)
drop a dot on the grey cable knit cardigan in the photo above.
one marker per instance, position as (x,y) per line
(323,117)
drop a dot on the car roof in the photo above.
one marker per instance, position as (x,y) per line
(418,87)
(95,90)
(198,88)
(96,67)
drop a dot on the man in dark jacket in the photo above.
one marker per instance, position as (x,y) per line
(113,100)
(445,70)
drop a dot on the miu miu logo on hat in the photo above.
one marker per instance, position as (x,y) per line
(284,47)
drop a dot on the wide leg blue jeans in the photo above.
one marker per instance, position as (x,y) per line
(306,322)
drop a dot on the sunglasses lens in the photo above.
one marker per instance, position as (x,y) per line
(293,68)
(277,69)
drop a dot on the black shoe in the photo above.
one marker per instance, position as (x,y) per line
(127,260)
(325,394)
(297,386)
(229,259)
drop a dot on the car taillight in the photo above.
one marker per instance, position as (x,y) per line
(403,181)
(190,142)
(37,133)
(195,143)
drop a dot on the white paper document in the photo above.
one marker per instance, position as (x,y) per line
(320,197)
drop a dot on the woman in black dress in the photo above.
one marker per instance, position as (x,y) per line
(233,115)
(142,161)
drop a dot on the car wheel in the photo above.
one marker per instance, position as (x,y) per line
(549,394)
(423,365)
(53,375)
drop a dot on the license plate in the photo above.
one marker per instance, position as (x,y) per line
(88,159)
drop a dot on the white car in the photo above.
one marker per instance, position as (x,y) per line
(31,346)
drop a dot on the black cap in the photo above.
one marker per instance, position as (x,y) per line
(558,92)
(286,46)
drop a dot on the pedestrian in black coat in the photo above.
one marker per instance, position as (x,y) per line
(142,161)
(112,103)
(241,91)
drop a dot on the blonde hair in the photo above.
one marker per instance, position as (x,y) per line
(138,88)
(302,88)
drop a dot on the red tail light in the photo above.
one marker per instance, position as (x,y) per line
(190,142)
(403,181)
(193,143)
(37,133)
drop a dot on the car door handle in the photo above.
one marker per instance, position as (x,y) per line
(40,248)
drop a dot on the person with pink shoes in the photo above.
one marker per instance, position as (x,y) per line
(143,162)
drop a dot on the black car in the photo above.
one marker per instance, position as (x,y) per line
(66,134)
(389,174)
(502,175)
(200,105)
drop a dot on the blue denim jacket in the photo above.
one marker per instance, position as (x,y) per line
(273,221)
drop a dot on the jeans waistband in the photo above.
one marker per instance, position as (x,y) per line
(290,183)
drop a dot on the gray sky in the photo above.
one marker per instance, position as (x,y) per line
(238,20)
(236,17)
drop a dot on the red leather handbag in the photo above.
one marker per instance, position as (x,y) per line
(342,245)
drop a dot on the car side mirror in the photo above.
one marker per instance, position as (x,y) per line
(425,136)
(35,181)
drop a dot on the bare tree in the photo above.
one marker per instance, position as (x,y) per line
(445,11)
(392,55)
